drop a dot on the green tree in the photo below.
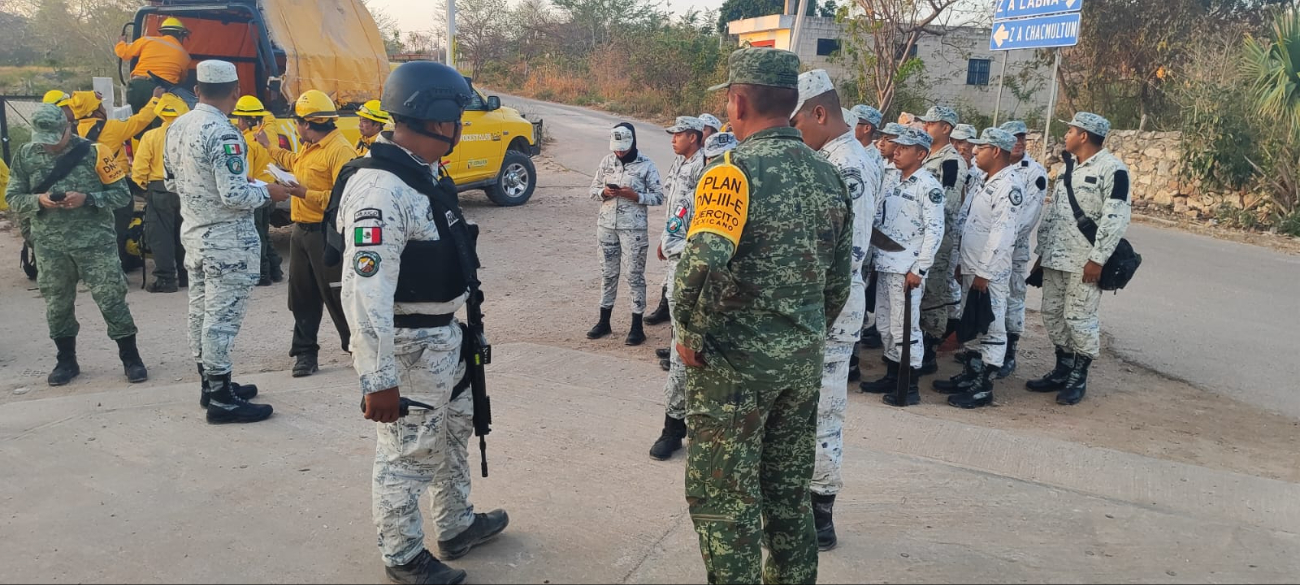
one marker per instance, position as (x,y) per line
(1272,65)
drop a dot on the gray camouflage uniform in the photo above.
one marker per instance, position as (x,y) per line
(1034,177)
(427,449)
(912,214)
(622,226)
(206,160)
(986,243)
(679,194)
(942,297)
(861,175)
(1101,186)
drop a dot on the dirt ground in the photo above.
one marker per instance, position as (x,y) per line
(541,279)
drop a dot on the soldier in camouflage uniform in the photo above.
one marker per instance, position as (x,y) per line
(764,275)
(406,338)
(1071,265)
(622,225)
(866,126)
(206,164)
(941,302)
(679,193)
(1034,177)
(984,264)
(71,231)
(821,121)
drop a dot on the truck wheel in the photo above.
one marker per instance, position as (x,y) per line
(516,181)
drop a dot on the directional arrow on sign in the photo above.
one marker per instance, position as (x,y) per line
(1001,35)
(1070,4)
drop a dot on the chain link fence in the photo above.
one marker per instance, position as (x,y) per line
(15,122)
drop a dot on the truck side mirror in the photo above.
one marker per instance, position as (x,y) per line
(494,103)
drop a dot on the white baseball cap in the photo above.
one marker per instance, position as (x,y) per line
(620,139)
(214,71)
(812,84)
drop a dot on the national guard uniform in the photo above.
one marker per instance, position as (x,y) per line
(621,227)
(679,194)
(912,215)
(403,281)
(940,304)
(1101,186)
(761,280)
(1034,177)
(74,243)
(986,244)
(207,166)
(890,176)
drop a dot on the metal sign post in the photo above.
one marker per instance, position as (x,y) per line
(997,107)
(1034,24)
(1051,105)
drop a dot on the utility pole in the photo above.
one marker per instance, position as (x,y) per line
(798,25)
(451,33)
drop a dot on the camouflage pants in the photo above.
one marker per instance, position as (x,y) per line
(942,294)
(625,249)
(1016,301)
(1070,312)
(101,270)
(992,346)
(220,283)
(749,465)
(675,386)
(843,335)
(427,450)
(889,317)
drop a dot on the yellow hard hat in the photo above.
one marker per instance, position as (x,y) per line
(314,106)
(373,111)
(249,106)
(173,24)
(56,97)
(84,103)
(170,106)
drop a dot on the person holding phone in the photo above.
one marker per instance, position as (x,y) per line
(626,185)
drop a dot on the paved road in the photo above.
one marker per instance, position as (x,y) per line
(1220,315)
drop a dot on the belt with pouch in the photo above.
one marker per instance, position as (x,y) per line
(422,321)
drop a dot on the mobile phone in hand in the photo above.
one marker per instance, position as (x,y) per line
(612,186)
(58,196)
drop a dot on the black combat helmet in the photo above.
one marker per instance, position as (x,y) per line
(425,90)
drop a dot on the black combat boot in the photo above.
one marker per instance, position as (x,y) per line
(871,337)
(245,391)
(484,528)
(425,569)
(1076,385)
(1009,362)
(132,365)
(665,365)
(66,369)
(636,335)
(602,327)
(182,278)
(663,353)
(913,397)
(823,507)
(660,314)
(964,356)
(966,381)
(1055,379)
(162,286)
(265,280)
(981,394)
(670,440)
(226,407)
(930,362)
(305,365)
(885,384)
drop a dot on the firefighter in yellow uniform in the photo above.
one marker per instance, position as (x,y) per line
(373,118)
(313,286)
(162,211)
(4,182)
(93,124)
(251,117)
(163,55)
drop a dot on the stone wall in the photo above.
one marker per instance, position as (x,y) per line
(1155,163)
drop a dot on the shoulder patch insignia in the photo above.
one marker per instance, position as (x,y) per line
(232,149)
(368,213)
(451,219)
(107,168)
(366,264)
(235,165)
(1016,197)
(721,202)
(1041,183)
(950,169)
(1090,180)
(853,180)
(367,236)
(936,196)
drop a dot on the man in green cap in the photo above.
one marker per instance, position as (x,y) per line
(764,274)
(66,188)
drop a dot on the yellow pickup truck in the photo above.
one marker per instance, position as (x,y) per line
(285,47)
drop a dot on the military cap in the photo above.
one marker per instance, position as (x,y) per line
(812,84)
(913,137)
(1015,127)
(685,123)
(762,66)
(216,71)
(1090,122)
(867,114)
(996,137)
(940,114)
(849,117)
(719,143)
(964,132)
(48,124)
(620,139)
(711,121)
(894,129)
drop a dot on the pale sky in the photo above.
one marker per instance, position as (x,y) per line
(417,15)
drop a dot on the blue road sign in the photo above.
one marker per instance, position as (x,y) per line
(1027,8)
(1058,30)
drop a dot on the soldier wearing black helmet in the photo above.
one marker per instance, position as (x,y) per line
(404,255)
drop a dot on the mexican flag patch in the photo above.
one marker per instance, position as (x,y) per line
(367,236)
(233,149)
